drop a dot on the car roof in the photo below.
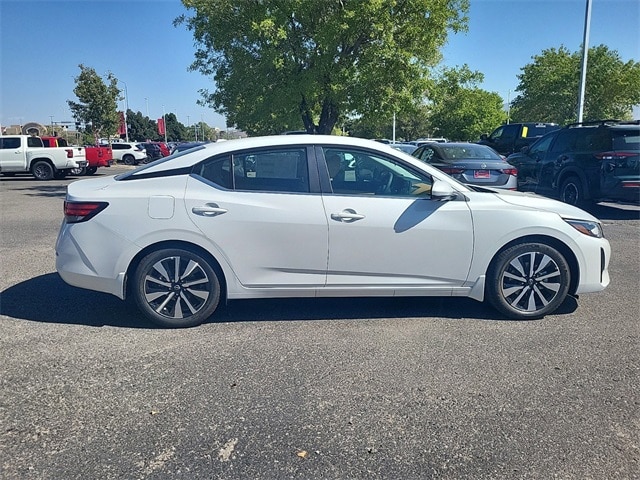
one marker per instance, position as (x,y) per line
(188,158)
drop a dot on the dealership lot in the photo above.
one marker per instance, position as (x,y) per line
(327,388)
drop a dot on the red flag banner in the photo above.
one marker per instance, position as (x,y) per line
(122,129)
(161,126)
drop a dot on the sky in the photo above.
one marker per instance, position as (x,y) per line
(43,42)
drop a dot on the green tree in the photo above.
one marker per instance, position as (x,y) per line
(411,123)
(141,128)
(460,109)
(97,102)
(549,86)
(308,63)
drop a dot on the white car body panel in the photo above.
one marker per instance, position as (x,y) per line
(286,231)
(401,227)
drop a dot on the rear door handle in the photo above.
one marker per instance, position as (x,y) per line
(347,215)
(209,210)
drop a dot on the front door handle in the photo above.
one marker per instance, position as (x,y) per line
(347,216)
(209,210)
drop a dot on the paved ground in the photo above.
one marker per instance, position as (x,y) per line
(347,388)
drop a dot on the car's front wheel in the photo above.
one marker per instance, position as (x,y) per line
(129,160)
(528,280)
(176,288)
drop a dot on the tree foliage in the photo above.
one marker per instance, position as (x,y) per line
(281,65)
(97,102)
(461,110)
(549,86)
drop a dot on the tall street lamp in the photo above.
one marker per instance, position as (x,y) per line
(126,107)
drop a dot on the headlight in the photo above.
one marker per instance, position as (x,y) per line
(592,229)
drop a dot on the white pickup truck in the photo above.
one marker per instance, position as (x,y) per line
(27,154)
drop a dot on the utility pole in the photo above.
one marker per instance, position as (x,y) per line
(585,53)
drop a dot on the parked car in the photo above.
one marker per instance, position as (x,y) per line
(404,147)
(128,153)
(181,147)
(470,163)
(512,137)
(263,217)
(584,162)
(423,141)
(153,151)
(97,156)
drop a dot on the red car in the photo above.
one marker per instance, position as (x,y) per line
(97,156)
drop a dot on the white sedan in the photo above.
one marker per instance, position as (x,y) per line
(319,216)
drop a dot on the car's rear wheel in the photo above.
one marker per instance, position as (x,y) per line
(91,170)
(176,288)
(528,280)
(129,160)
(43,170)
(572,191)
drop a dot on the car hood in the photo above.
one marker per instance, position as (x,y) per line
(538,202)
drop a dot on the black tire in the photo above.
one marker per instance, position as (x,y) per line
(91,170)
(42,170)
(176,288)
(528,281)
(78,172)
(572,191)
(129,160)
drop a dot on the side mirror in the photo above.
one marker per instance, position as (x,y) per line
(525,149)
(484,136)
(442,191)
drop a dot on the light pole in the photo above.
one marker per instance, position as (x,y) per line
(164,121)
(126,107)
(583,67)
(508,106)
(146,101)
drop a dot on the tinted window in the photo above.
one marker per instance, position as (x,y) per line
(537,130)
(454,152)
(34,142)
(119,146)
(217,171)
(626,139)
(541,146)
(566,141)
(356,172)
(273,170)
(9,143)
(506,133)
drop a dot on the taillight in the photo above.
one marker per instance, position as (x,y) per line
(510,171)
(69,152)
(452,171)
(76,212)
(616,155)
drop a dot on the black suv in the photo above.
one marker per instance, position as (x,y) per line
(512,137)
(589,161)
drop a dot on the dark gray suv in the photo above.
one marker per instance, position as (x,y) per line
(589,161)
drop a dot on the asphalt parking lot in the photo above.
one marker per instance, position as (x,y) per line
(326,388)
